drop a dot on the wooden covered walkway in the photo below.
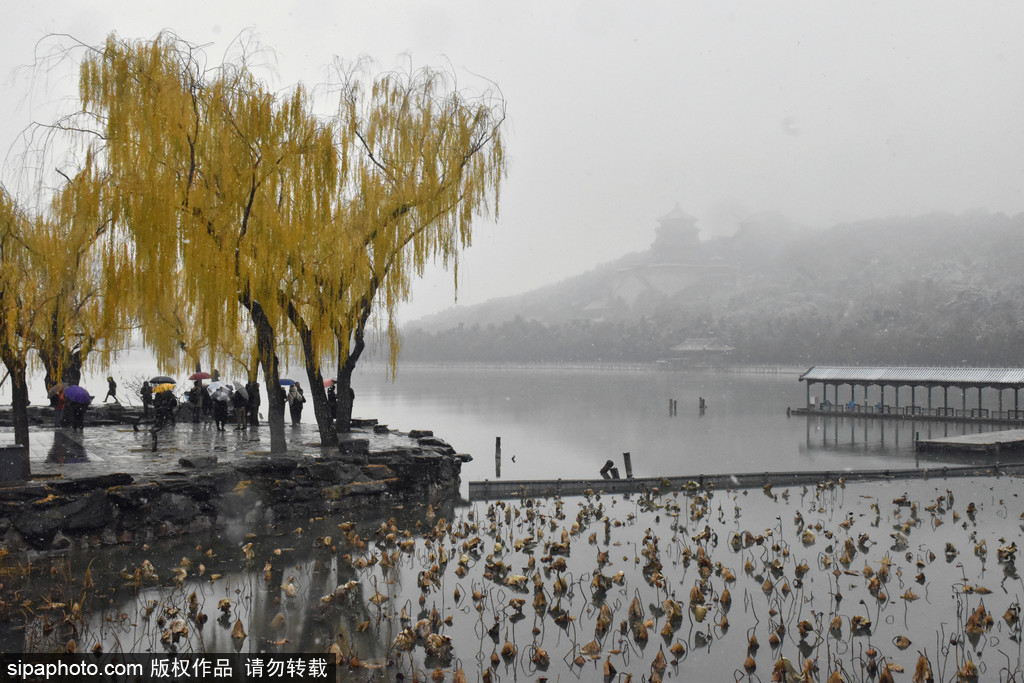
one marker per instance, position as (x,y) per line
(983,394)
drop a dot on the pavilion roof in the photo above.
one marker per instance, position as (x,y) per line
(909,375)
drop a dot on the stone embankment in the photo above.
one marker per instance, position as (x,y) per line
(203,493)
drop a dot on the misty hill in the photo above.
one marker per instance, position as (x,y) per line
(935,289)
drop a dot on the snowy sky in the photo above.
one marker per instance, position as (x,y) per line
(822,110)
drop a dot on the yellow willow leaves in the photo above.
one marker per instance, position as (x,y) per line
(231,194)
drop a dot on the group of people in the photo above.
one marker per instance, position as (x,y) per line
(218,408)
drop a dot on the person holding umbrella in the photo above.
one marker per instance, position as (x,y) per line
(240,400)
(220,395)
(80,399)
(164,405)
(196,394)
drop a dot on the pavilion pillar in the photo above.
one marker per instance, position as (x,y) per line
(963,393)
(881,398)
(913,400)
(945,397)
(808,393)
(853,394)
(837,395)
(1016,398)
(979,401)
(1000,402)
(896,403)
(929,399)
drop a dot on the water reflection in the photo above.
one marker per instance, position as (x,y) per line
(66,448)
(785,555)
(833,434)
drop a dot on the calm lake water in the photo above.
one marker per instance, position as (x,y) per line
(818,576)
(566,422)
(801,564)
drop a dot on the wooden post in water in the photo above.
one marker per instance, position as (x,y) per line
(497,457)
(628,464)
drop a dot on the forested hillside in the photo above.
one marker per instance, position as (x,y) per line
(937,289)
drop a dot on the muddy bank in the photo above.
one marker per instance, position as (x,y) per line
(204,493)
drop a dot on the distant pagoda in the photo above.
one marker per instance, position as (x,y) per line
(676,234)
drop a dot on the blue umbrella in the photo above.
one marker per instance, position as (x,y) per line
(77,394)
(287,382)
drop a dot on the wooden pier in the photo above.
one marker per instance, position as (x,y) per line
(1004,418)
(520,488)
(907,380)
(1004,441)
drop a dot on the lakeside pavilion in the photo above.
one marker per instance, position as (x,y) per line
(968,385)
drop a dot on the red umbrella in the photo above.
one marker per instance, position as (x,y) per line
(329,382)
(199,375)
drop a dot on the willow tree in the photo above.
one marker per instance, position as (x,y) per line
(273,217)
(58,270)
(425,161)
(216,179)
(84,303)
(430,162)
(17,287)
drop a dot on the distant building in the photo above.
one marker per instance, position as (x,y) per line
(698,351)
(676,265)
(676,236)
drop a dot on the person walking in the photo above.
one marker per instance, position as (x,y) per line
(253,407)
(332,402)
(295,401)
(111,391)
(78,415)
(164,405)
(220,413)
(284,400)
(241,403)
(58,410)
(195,400)
(147,397)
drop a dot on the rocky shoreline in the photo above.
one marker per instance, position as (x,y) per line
(58,512)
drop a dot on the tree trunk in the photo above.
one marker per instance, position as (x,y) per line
(321,410)
(266,348)
(345,398)
(346,366)
(19,406)
(64,365)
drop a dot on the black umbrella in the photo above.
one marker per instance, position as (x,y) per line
(162,379)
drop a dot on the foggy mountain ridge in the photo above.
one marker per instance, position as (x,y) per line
(939,288)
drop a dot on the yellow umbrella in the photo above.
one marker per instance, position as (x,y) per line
(163,387)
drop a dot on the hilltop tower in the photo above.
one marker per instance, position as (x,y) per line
(676,234)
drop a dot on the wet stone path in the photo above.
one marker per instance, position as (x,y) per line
(106,449)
